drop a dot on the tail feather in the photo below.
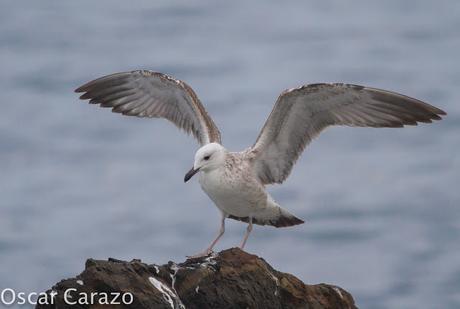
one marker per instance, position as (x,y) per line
(285,220)
(274,216)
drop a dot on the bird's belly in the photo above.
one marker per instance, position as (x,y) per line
(233,197)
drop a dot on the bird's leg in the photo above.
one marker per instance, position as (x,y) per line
(221,232)
(248,231)
(208,251)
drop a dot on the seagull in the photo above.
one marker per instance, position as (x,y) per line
(235,181)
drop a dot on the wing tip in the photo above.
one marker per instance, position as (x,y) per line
(80,89)
(441,112)
(84,96)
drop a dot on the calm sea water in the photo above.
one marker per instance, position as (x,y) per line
(381,206)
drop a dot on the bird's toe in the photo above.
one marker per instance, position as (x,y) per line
(205,253)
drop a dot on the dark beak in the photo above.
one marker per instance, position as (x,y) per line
(190,174)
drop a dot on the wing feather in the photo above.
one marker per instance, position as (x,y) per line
(300,114)
(149,94)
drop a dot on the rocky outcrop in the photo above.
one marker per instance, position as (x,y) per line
(229,279)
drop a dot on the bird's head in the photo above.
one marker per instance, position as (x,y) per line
(207,158)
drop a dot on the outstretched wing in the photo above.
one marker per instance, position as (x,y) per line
(150,94)
(300,114)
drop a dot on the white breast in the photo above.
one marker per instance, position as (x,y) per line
(231,193)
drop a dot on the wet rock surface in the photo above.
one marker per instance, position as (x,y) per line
(229,279)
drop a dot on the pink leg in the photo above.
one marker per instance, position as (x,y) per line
(208,251)
(248,231)
(221,232)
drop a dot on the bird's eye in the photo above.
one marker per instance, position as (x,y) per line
(207,158)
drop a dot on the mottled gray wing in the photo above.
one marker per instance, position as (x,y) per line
(150,94)
(300,114)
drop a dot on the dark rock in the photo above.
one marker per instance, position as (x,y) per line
(230,279)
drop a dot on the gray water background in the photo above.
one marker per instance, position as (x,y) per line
(76,181)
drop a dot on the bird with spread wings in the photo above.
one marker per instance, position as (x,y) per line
(235,181)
